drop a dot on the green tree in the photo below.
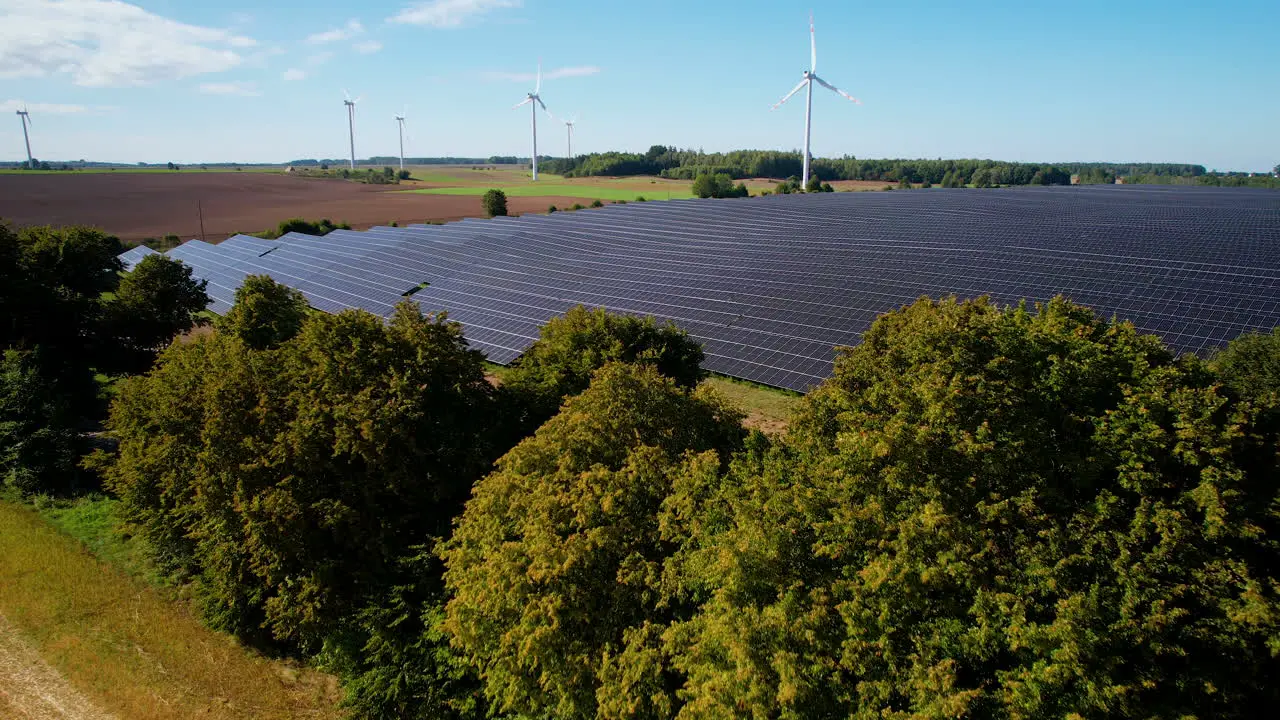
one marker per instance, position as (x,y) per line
(570,348)
(557,568)
(1002,513)
(265,313)
(293,480)
(494,203)
(1250,366)
(39,445)
(155,301)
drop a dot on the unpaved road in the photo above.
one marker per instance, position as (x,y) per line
(30,689)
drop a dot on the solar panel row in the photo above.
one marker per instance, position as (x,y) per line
(771,285)
(134,255)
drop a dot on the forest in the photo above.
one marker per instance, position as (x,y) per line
(987,511)
(671,162)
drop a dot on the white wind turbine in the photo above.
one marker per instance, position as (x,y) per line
(25,117)
(810,77)
(534,99)
(568,124)
(351,124)
(400,122)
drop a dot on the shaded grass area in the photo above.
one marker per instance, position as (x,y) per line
(768,409)
(585,191)
(126,645)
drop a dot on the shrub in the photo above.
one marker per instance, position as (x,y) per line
(494,203)
(985,510)
(570,348)
(552,209)
(576,206)
(596,204)
(640,198)
(577,518)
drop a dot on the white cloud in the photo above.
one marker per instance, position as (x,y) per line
(9,106)
(369,47)
(448,13)
(109,43)
(294,74)
(244,89)
(350,30)
(578,71)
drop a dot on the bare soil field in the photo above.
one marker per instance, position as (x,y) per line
(136,206)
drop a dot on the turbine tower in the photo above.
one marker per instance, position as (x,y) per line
(534,100)
(569,126)
(400,122)
(351,124)
(810,77)
(25,118)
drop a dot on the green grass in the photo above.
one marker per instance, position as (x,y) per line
(129,646)
(586,192)
(768,409)
(92,521)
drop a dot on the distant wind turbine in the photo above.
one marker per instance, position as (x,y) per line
(534,99)
(400,122)
(810,77)
(25,118)
(569,126)
(351,124)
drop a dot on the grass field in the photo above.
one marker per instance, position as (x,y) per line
(124,644)
(768,409)
(584,191)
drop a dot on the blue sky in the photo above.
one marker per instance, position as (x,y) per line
(185,81)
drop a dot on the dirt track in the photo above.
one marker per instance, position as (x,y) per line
(134,206)
(31,689)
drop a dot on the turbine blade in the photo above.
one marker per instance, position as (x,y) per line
(525,101)
(835,89)
(538,86)
(813,47)
(544,105)
(346,95)
(787,97)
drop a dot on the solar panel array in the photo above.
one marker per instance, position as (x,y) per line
(771,285)
(134,255)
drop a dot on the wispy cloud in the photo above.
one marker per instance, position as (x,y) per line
(319,58)
(346,32)
(244,89)
(368,47)
(294,74)
(36,108)
(109,43)
(448,13)
(565,72)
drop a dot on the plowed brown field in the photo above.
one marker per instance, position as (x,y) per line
(135,206)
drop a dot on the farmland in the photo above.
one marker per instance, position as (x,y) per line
(136,204)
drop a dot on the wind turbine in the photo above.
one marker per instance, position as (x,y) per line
(535,100)
(400,122)
(351,124)
(810,77)
(569,126)
(25,118)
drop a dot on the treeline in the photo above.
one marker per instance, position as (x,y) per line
(991,512)
(68,318)
(395,160)
(671,162)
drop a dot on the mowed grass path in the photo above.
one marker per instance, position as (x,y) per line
(129,649)
(586,192)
